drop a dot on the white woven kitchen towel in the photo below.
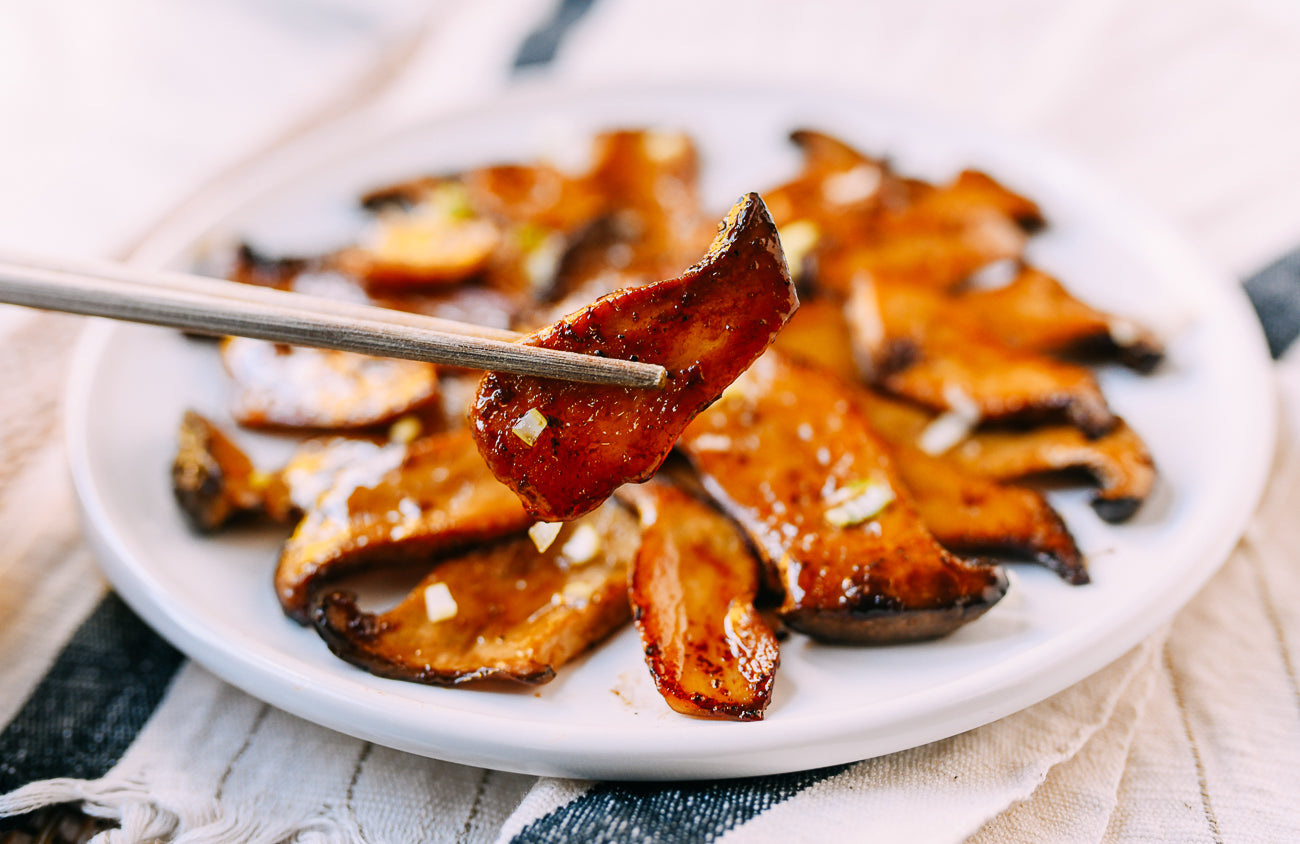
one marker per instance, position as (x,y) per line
(1195,735)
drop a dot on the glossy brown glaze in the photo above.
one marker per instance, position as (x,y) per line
(519,613)
(692,589)
(704,327)
(777,451)
(398,505)
(917,349)
(292,387)
(1119,461)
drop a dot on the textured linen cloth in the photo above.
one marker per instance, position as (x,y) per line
(1192,736)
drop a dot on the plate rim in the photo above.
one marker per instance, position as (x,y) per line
(356,133)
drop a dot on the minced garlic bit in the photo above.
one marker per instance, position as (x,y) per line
(583,546)
(857,502)
(852,185)
(577,592)
(543,534)
(259,480)
(943,433)
(438,603)
(711,442)
(798,239)
(951,427)
(662,147)
(405,430)
(1124,332)
(529,426)
(542,260)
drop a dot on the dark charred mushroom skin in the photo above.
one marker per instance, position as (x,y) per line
(705,327)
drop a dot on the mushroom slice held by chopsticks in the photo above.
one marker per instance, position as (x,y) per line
(565,447)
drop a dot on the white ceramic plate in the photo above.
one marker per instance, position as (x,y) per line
(1207,414)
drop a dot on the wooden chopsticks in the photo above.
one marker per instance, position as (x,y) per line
(212,306)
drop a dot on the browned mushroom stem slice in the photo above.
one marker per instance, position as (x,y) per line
(912,348)
(945,234)
(399,505)
(794,462)
(861,217)
(839,193)
(967,513)
(565,447)
(503,612)
(213,479)
(1119,461)
(291,387)
(819,334)
(1034,311)
(692,589)
(433,236)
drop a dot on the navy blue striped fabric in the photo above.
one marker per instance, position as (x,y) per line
(675,813)
(1275,293)
(541,45)
(89,707)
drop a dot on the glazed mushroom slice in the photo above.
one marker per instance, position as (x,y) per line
(213,480)
(1120,462)
(912,347)
(565,447)
(858,216)
(216,482)
(397,506)
(942,235)
(279,386)
(970,514)
(965,510)
(649,180)
(819,334)
(839,191)
(432,236)
(1035,311)
(507,611)
(791,459)
(967,513)
(692,588)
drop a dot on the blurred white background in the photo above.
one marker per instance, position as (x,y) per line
(115,110)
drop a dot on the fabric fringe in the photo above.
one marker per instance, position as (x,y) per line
(147,814)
